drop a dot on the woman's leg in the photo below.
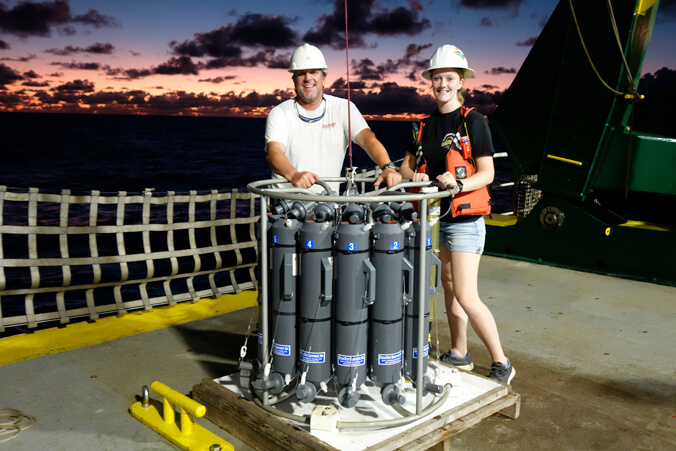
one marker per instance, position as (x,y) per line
(464,273)
(457,318)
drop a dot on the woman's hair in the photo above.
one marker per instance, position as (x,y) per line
(461,98)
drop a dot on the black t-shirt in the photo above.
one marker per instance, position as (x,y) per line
(441,133)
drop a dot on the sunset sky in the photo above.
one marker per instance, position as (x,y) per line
(229,58)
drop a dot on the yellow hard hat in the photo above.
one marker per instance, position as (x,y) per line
(448,56)
(307,57)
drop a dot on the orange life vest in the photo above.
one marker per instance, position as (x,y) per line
(465,203)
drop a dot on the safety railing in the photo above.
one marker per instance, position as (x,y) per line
(64,255)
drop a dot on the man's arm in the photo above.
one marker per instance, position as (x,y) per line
(280,164)
(367,140)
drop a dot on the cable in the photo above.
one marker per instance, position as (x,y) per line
(347,76)
(14,422)
(633,95)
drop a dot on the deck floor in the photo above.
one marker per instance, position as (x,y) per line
(594,357)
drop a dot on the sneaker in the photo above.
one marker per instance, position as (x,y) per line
(461,363)
(502,373)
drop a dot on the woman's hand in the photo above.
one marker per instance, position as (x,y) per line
(420,177)
(447,181)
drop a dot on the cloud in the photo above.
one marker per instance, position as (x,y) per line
(22,59)
(31,74)
(128,74)
(4,45)
(218,80)
(182,65)
(78,65)
(528,42)
(500,71)
(10,99)
(75,86)
(34,19)
(36,84)
(28,19)
(510,5)
(485,101)
(252,30)
(490,4)
(8,76)
(486,22)
(666,12)
(662,79)
(97,48)
(392,99)
(366,69)
(97,20)
(330,28)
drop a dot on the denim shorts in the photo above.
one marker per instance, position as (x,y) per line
(463,236)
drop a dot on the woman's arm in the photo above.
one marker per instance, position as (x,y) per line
(408,167)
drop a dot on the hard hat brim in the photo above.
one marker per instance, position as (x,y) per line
(323,69)
(427,73)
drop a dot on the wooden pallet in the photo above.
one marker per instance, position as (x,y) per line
(264,431)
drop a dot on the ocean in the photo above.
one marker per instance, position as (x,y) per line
(109,153)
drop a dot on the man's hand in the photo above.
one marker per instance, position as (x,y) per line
(303,179)
(390,176)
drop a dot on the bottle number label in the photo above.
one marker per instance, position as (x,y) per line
(351,246)
(275,239)
(426,351)
(428,242)
(395,245)
(309,244)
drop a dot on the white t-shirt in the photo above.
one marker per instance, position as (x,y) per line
(318,147)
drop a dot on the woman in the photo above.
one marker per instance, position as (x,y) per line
(453,128)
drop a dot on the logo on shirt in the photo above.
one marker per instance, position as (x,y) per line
(448,140)
(332,124)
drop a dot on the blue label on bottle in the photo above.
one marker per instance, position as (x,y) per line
(312,357)
(350,246)
(351,360)
(283,350)
(309,244)
(395,245)
(389,359)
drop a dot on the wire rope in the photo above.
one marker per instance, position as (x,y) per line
(347,77)
(633,95)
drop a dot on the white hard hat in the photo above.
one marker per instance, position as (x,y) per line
(307,57)
(448,56)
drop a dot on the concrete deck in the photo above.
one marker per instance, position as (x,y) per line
(595,361)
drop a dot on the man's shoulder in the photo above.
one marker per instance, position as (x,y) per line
(281,110)
(285,105)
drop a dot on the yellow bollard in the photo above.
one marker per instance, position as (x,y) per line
(190,436)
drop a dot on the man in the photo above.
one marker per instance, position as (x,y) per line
(308,135)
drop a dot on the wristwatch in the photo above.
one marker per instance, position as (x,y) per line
(389,165)
(460,185)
